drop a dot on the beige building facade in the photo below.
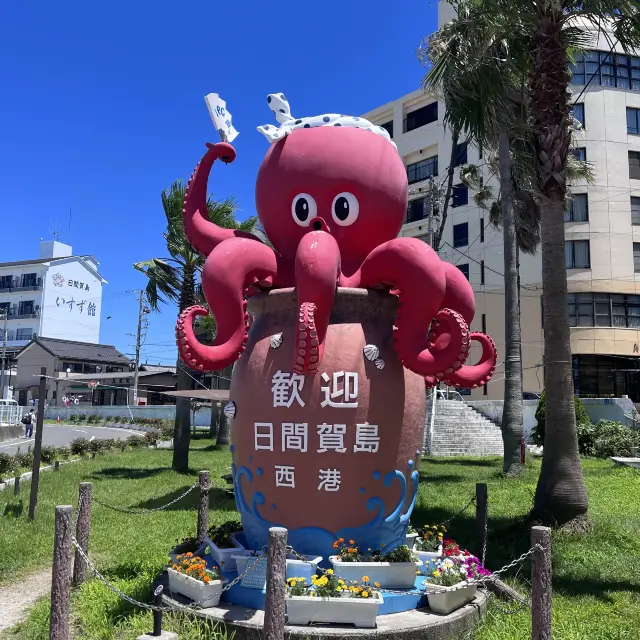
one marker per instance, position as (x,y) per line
(602,226)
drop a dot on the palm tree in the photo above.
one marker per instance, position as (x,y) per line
(172,279)
(548,32)
(464,54)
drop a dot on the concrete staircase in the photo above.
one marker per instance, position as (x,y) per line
(459,430)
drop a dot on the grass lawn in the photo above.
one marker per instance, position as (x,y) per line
(596,579)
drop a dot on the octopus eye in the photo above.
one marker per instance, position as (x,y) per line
(345,209)
(303,209)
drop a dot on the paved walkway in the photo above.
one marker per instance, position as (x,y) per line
(61,435)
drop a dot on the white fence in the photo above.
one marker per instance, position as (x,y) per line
(10,414)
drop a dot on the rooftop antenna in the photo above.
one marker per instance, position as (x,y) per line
(53,230)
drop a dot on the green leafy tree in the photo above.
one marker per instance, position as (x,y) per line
(173,278)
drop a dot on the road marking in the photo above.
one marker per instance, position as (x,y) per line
(13,444)
(92,438)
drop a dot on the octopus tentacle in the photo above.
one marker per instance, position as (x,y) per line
(203,234)
(317,269)
(476,375)
(231,269)
(411,267)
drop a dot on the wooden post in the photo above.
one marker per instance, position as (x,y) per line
(35,478)
(203,506)
(481,519)
(16,485)
(83,526)
(541,584)
(276,591)
(61,575)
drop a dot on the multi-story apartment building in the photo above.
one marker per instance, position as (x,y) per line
(57,295)
(602,224)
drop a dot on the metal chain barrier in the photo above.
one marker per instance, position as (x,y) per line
(459,513)
(174,606)
(145,512)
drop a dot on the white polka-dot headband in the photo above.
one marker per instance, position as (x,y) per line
(281,110)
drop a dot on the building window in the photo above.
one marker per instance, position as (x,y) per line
(421,117)
(635,210)
(461,234)
(73,367)
(29,280)
(607,70)
(577,209)
(24,334)
(388,126)
(577,111)
(577,254)
(579,153)
(461,154)
(419,171)
(634,165)
(26,307)
(416,210)
(636,257)
(481,271)
(481,229)
(604,310)
(460,195)
(465,269)
(633,120)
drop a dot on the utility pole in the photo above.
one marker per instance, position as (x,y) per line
(142,310)
(4,353)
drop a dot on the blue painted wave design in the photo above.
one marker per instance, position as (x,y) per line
(389,531)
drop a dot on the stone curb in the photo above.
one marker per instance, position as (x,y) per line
(27,476)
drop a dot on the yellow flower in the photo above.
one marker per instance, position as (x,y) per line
(338,588)
(377,585)
(340,581)
(365,578)
(436,574)
(365,594)
(329,571)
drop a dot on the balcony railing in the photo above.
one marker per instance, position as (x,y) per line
(19,285)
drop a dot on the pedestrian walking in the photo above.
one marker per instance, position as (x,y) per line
(28,421)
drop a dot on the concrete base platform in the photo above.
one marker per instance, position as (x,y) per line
(629,462)
(418,624)
(10,432)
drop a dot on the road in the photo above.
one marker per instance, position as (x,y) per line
(60,436)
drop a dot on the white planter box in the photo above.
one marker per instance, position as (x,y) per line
(358,611)
(448,599)
(224,557)
(295,568)
(164,444)
(206,595)
(390,575)
(428,559)
(410,539)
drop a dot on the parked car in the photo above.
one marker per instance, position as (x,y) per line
(530,395)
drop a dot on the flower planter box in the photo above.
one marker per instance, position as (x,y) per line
(428,559)
(206,595)
(410,539)
(224,557)
(176,551)
(361,612)
(164,444)
(448,599)
(295,568)
(390,575)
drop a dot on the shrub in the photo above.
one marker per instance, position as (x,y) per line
(48,454)
(24,459)
(73,417)
(82,417)
(614,439)
(537,434)
(7,464)
(135,441)
(64,453)
(166,429)
(121,445)
(151,437)
(92,419)
(79,446)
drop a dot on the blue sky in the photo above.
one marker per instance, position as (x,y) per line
(103,108)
